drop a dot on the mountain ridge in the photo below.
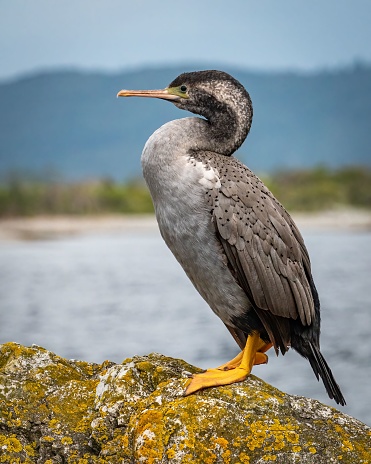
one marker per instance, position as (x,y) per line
(70,121)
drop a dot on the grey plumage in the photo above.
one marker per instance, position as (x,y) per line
(237,244)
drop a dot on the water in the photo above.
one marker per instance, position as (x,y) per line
(112,296)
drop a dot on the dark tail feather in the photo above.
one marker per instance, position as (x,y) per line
(321,369)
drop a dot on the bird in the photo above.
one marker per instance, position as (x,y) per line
(235,241)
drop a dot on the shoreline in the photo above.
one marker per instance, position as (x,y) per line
(54,227)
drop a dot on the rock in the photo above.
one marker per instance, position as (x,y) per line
(55,410)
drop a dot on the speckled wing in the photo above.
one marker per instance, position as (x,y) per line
(264,248)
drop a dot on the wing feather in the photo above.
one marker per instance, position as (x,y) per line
(265,251)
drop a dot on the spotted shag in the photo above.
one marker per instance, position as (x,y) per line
(237,244)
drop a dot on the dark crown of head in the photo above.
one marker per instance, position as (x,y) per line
(193,78)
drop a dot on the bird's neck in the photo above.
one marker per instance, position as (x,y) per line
(166,155)
(228,131)
(225,129)
(167,148)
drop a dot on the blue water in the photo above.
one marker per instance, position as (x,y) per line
(112,296)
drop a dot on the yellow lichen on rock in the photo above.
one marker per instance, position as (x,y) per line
(54,410)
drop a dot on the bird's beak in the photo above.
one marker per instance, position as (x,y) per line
(164,94)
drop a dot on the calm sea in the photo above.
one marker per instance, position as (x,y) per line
(112,296)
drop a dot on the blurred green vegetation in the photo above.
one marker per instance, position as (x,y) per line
(20,197)
(305,190)
(321,188)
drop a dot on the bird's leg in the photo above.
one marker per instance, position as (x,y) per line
(234,371)
(260,358)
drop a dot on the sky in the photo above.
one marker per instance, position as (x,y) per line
(115,35)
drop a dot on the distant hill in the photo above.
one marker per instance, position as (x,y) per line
(71,122)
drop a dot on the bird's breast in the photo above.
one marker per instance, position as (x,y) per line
(179,187)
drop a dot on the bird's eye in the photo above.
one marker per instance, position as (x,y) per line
(183,88)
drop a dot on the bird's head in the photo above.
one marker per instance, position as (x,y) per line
(201,92)
(216,95)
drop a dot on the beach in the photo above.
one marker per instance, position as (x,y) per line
(54,227)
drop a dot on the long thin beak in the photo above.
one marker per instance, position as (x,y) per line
(163,94)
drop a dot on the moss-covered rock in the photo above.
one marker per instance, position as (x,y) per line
(62,411)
